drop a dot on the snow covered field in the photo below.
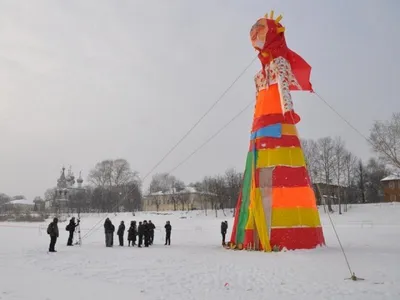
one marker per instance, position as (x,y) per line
(197,267)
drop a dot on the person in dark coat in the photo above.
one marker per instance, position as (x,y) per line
(168,229)
(132,232)
(151,232)
(112,235)
(120,233)
(71,229)
(140,234)
(224,228)
(146,233)
(52,230)
(109,232)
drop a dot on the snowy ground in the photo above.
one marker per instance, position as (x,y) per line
(197,267)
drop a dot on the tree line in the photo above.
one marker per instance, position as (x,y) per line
(330,163)
(340,177)
(218,192)
(114,186)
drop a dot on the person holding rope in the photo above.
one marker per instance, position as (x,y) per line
(71,229)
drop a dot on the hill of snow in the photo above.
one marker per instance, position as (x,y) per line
(195,266)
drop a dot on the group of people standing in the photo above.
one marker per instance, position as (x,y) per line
(142,233)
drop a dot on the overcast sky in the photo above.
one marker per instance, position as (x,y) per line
(82,81)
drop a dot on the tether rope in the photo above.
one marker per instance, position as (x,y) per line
(187,134)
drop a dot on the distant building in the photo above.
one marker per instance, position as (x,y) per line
(391,188)
(39,204)
(63,184)
(22,205)
(186,199)
(66,188)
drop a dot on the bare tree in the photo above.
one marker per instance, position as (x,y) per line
(311,154)
(112,173)
(350,166)
(121,173)
(361,180)
(209,188)
(100,176)
(116,182)
(174,198)
(326,165)
(233,182)
(176,187)
(167,183)
(385,139)
(375,171)
(184,199)
(158,200)
(4,198)
(157,183)
(216,186)
(206,198)
(340,152)
(50,195)
(220,191)
(164,182)
(132,195)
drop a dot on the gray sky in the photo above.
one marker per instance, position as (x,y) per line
(83,81)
